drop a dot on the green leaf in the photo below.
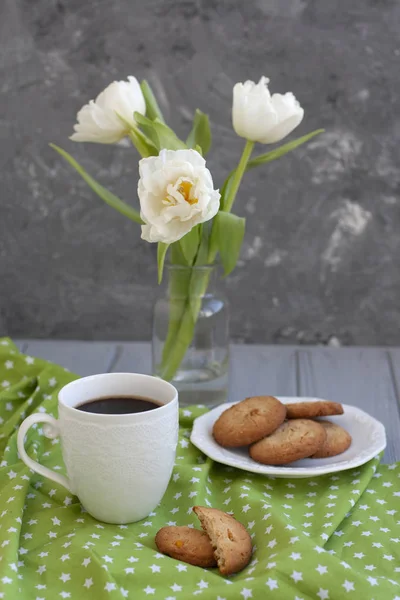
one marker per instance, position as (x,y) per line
(200,134)
(161,252)
(152,109)
(165,136)
(190,244)
(101,191)
(177,256)
(229,232)
(282,150)
(147,126)
(143,144)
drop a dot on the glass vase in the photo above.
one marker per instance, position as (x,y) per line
(190,342)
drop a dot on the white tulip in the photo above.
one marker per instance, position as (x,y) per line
(176,192)
(99,122)
(260,117)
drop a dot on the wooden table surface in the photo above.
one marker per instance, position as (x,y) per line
(365,377)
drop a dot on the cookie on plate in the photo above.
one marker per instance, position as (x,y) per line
(337,440)
(229,538)
(311,410)
(293,440)
(248,421)
(186,544)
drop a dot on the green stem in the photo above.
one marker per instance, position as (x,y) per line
(197,288)
(179,291)
(178,287)
(237,178)
(231,188)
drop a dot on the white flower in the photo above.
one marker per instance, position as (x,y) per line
(176,193)
(260,117)
(99,122)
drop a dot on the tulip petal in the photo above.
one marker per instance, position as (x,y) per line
(259,117)
(98,120)
(176,193)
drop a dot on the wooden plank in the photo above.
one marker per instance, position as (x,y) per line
(393,357)
(262,370)
(133,357)
(358,376)
(82,358)
(254,369)
(21,344)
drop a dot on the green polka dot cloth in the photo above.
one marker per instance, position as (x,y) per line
(332,537)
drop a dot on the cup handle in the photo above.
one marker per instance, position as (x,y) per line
(51,431)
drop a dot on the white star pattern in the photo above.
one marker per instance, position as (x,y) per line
(348,586)
(202,584)
(64,557)
(321,569)
(155,568)
(295,556)
(108,559)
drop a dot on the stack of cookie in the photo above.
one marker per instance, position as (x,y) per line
(278,434)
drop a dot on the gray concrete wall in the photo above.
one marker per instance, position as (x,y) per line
(320,257)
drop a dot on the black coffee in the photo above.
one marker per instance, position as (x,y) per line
(118,405)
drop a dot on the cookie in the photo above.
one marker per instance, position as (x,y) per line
(295,439)
(186,544)
(337,440)
(248,421)
(229,538)
(311,410)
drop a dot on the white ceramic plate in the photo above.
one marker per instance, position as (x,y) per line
(368,439)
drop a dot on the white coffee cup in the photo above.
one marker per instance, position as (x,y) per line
(119,466)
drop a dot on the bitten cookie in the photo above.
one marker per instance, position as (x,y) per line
(186,544)
(337,440)
(311,410)
(296,439)
(248,421)
(229,538)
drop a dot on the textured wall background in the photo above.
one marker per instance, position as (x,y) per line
(320,257)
